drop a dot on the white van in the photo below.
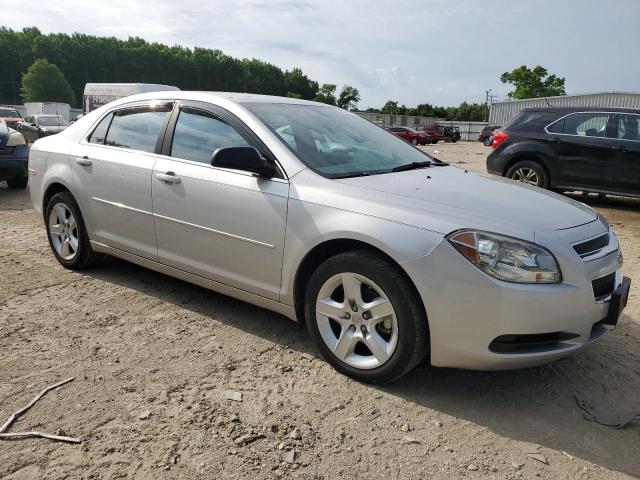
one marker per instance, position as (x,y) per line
(99,94)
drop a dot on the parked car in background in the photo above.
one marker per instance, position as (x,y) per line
(13,157)
(37,126)
(410,135)
(387,255)
(578,148)
(487,133)
(433,133)
(10,116)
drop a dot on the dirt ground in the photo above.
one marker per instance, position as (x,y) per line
(152,358)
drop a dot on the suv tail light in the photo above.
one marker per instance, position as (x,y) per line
(498,138)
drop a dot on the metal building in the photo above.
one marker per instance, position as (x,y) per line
(502,112)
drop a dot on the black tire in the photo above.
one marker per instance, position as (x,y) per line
(487,141)
(85,257)
(543,178)
(434,141)
(414,140)
(18,183)
(454,140)
(413,331)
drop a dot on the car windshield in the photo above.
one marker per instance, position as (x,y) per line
(52,121)
(9,113)
(336,143)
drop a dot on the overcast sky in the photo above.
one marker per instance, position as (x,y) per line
(439,52)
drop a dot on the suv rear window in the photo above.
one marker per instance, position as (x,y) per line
(524,119)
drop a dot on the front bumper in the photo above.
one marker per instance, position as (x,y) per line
(469,310)
(13,162)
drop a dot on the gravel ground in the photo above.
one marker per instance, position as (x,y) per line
(153,357)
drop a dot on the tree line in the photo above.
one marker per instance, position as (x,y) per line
(86,58)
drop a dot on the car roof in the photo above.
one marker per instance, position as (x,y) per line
(581,109)
(45,115)
(205,96)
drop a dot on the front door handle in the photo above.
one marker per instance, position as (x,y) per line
(84,161)
(619,149)
(169,177)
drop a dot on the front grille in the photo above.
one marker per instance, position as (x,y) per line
(7,150)
(604,286)
(592,246)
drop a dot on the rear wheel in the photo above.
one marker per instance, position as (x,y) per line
(67,234)
(529,172)
(487,141)
(365,317)
(18,183)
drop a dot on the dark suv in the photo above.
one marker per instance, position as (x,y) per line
(585,149)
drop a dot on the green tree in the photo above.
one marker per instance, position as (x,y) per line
(299,84)
(390,108)
(44,82)
(348,98)
(326,94)
(533,83)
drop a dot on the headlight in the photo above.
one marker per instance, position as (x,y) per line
(507,258)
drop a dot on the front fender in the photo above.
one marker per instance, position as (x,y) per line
(310,224)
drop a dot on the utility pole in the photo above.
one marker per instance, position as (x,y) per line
(489,99)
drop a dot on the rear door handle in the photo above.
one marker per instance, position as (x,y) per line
(169,177)
(84,161)
(619,149)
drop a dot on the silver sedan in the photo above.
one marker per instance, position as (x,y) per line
(387,255)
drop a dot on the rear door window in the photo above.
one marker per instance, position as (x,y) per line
(586,124)
(100,133)
(136,128)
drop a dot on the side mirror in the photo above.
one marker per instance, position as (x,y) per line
(34,125)
(243,158)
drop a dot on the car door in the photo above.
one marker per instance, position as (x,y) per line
(623,168)
(222,224)
(582,149)
(112,170)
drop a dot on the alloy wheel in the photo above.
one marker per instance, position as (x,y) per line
(63,230)
(356,320)
(526,175)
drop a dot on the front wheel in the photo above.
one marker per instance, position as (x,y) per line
(529,172)
(365,317)
(67,233)
(487,142)
(414,140)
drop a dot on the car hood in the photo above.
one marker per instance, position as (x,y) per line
(447,198)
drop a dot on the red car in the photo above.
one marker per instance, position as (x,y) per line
(10,116)
(434,132)
(410,135)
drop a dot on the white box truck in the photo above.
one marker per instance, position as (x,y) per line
(49,108)
(99,94)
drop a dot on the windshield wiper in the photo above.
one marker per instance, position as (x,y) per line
(412,166)
(351,175)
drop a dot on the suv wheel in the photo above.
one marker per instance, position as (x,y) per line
(487,141)
(67,234)
(365,317)
(529,172)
